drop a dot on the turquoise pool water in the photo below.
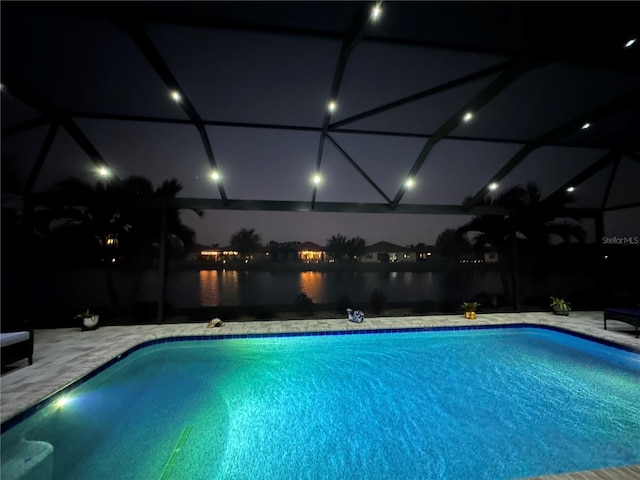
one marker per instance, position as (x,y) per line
(468,404)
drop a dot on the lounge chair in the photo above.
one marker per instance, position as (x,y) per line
(16,341)
(627,315)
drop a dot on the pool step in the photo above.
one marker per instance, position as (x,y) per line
(175,455)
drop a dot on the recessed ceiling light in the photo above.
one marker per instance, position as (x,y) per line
(332,106)
(571,189)
(176,95)
(493,186)
(630,42)
(585,126)
(376,12)
(467,117)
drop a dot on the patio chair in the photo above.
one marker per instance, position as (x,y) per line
(627,315)
(16,342)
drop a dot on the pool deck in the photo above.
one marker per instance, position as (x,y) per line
(62,356)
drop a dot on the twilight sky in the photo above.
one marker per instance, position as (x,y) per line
(260,75)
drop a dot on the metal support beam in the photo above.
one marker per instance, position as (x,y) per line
(622,207)
(489,92)
(583,176)
(425,93)
(552,136)
(602,272)
(24,126)
(42,155)
(45,199)
(162,262)
(151,53)
(359,170)
(514,267)
(303,128)
(56,116)
(612,177)
(354,34)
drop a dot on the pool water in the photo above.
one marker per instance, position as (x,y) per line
(467,404)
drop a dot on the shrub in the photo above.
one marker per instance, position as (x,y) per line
(304,304)
(377,301)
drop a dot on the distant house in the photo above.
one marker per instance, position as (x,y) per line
(490,257)
(217,254)
(425,254)
(310,252)
(262,254)
(386,252)
(475,258)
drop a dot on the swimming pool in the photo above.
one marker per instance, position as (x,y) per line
(491,403)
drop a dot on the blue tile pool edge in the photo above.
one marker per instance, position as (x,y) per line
(16,419)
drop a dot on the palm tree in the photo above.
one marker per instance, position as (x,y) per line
(103,224)
(245,242)
(338,247)
(356,248)
(451,243)
(533,221)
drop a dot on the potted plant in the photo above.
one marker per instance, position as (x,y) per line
(89,320)
(470,309)
(559,306)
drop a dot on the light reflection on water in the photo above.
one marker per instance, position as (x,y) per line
(312,284)
(230,287)
(78,288)
(217,286)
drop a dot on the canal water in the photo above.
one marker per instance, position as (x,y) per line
(201,288)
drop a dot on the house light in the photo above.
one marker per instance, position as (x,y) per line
(585,126)
(571,189)
(493,186)
(317,179)
(175,95)
(630,42)
(215,175)
(332,106)
(103,172)
(467,117)
(409,183)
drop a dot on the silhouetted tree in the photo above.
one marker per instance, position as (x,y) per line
(338,247)
(245,242)
(356,248)
(105,221)
(533,221)
(452,243)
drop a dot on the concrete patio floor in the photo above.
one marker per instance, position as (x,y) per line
(62,356)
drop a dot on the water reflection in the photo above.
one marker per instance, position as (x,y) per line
(219,287)
(312,284)
(230,287)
